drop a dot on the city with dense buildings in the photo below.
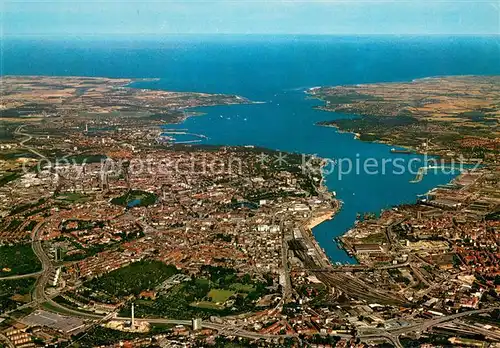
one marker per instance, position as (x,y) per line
(112,235)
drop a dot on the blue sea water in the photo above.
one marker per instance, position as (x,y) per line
(276,71)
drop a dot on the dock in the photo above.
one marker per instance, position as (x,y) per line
(424,170)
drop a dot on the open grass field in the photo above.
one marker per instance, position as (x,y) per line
(238,287)
(220,295)
(73,197)
(207,305)
(215,299)
(18,259)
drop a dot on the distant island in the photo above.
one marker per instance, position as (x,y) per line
(439,115)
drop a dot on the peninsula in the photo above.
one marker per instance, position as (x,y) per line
(445,116)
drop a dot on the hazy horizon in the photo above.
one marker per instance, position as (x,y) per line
(223,17)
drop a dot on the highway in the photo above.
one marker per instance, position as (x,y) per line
(393,334)
(354,287)
(39,296)
(433,322)
(22,276)
(383,335)
(24,141)
(228,330)
(479,330)
(390,335)
(419,275)
(39,291)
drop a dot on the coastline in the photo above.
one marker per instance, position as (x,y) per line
(308,225)
(353,234)
(358,136)
(310,92)
(187,113)
(408,114)
(313,222)
(321,217)
(341,131)
(307,229)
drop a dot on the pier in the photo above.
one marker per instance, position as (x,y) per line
(170,134)
(420,175)
(181,132)
(424,170)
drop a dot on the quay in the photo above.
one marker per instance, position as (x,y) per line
(424,170)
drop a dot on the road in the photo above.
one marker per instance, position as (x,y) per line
(419,275)
(383,335)
(390,335)
(18,131)
(6,340)
(228,330)
(311,242)
(287,289)
(359,268)
(479,330)
(22,276)
(39,291)
(39,296)
(393,335)
(355,287)
(433,322)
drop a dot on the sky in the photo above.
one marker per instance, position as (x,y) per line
(94,17)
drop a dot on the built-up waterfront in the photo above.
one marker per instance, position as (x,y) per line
(288,123)
(276,70)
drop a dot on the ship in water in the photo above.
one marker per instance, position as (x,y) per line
(394,150)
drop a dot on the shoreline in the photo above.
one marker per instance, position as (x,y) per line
(187,113)
(308,226)
(382,114)
(351,233)
(341,131)
(339,239)
(314,221)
